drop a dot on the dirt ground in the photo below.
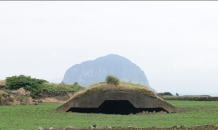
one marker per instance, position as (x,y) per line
(51,100)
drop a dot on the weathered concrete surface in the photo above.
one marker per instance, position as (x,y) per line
(138,100)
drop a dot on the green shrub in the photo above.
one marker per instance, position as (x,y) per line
(0,99)
(168,93)
(112,80)
(28,83)
(152,96)
(145,93)
(32,96)
(75,83)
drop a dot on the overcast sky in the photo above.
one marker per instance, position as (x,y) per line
(174,43)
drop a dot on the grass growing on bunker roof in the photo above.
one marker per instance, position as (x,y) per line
(123,86)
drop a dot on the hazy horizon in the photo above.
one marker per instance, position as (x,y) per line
(174,43)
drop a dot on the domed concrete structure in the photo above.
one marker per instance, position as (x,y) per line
(110,99)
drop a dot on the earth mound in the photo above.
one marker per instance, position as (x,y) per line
(124,98)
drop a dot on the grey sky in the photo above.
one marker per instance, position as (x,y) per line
(174,43)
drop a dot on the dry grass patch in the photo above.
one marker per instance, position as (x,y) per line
(50,100)
(2,82)
(123,86)
(22,91)
(69,95)
(15,101)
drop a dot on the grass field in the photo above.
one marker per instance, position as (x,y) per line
(32,117)
(180,97)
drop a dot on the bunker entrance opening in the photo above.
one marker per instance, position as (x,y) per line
(123,107)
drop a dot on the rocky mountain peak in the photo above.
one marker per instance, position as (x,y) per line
(89,72)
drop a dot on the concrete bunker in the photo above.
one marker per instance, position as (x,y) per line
(109,99)
(123,107)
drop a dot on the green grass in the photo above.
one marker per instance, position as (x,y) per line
(180,97)
(2,92)
(61,87)
(122,86)
(25,97)
(122,83)
(32,117)
(135,84)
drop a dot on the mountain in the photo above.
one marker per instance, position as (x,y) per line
(89,72)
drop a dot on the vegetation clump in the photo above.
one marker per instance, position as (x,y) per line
(168,94)
(35,85)
(61,87)
(26,82)
(112,80)
(75,83)
(32,96)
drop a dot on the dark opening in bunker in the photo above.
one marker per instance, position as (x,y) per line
(123,107)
